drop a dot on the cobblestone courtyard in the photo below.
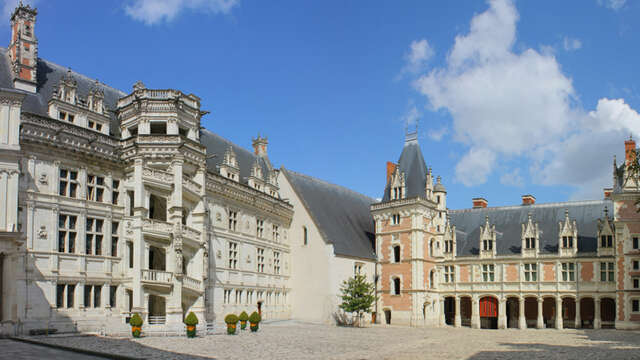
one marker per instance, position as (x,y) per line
(293,340)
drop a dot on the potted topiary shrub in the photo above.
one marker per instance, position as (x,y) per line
(136,325)
(191,321)
(243,320)
(254,320)
(231,321)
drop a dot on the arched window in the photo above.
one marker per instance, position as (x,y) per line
(396,253)
(305,238)
(396,286)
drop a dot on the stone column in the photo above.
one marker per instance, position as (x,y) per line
(443,320)
(559,324)
(475,314)
(522,320)
(457,322)
(596,317)
(578,321)
(540,321)
(502,314)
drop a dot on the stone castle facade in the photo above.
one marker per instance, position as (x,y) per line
(114,203)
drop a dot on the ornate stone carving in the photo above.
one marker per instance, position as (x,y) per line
(43,179)
(178,261)
(42,233)
(219,254)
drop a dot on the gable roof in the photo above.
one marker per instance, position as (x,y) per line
(48,78)
(508,222)
(342,216)
(412,164)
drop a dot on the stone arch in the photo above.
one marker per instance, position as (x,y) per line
(608,312)
(568,311)
(587,311)
(531,310)
(488,309)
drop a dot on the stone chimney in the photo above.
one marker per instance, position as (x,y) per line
(23,49)
(260,145)
(479,203)
(528,199)
(629,151)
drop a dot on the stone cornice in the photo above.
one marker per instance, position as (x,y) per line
(232,190)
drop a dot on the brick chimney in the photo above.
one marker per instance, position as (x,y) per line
(260,145)
(629,150)
(391,168)
(479,203)
(528,199)
(23,49)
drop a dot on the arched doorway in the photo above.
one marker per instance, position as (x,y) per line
(587,312)
(608,313)
(488,312)
(531,311)
(568,313)
(449,310)
(387,316)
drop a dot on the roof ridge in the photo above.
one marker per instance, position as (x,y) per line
(544,205)
(230,142)
(329,184)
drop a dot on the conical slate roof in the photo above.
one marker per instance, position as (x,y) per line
(412,164)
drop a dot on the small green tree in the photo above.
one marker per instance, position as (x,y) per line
(358,296)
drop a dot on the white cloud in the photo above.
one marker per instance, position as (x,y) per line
(438,134)
(571,44)
(612,4)
(419,54)
(412,116)
(9,5)
(512,178)
(475,166)
(156,11)
(506,103)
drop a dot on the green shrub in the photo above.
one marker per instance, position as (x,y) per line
(255,318)
(136,320)
(243,316)
(254,328)
(191,319)
(231,330)
(231,319)
(136,333)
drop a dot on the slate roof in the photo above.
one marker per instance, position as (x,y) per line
(342,216)
(218,145)
(48,77)
(412,163)
(508,222)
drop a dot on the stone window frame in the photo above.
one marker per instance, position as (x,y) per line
(94,235)
(96,187)
(115,237)
(305,236)
(395,219)
(232,216)
(392,257)
(275,232)
(89,291)
(568,272)
(635,262)
(115,191)
(69,182)
(567,241)
(631,300)
(635,282)
(608,272)
(358,268)
(276,262)
(392,283)
(448,246)
(635,241)
(449,274)
(226,296)
(260,260)
(530,272)
(67,230)
(530,242)
(66,295)
(606,241)
(233,255)
(259,228)
(488,272)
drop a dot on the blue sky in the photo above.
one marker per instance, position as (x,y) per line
(510,97)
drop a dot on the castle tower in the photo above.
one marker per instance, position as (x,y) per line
(409,237)
(23,49)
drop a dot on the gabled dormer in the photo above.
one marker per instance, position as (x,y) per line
(95,99)
(67,89)
(397,186)
(530,238)
(272,183)
(229,167)
(567,236)
(449,249)
(487,239)
(256,179)
(606,238)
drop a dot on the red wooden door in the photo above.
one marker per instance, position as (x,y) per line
(488,307)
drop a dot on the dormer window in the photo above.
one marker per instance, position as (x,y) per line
(530,243)
(567,242)
(66,116)
(606,241)
(395,219)
(448,246)
(397,193)
(487,245)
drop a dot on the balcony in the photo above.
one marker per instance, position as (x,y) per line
(191,186)
(157,277)
(192,284)
(157,228)
(191,234)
